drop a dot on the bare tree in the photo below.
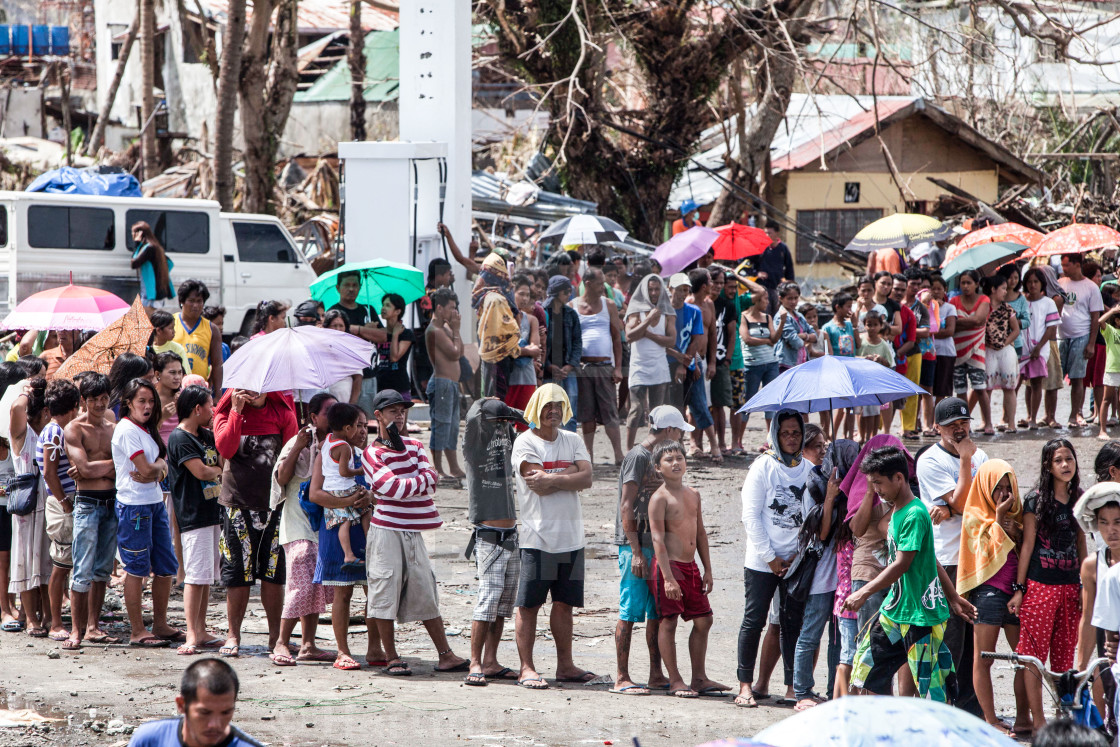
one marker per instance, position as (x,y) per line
(98,136)
(147,83)
(356,60)
(269,79)
(227,103)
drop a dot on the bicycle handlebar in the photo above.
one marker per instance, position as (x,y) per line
(1080,679)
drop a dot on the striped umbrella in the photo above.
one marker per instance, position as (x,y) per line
(583,229)
(898,231)
(1074,239)
(1012,232)
(69,307)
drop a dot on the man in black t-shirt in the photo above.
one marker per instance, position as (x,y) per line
(363,322)
(726,335)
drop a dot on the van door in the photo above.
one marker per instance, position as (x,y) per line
(7,257)
(268,266)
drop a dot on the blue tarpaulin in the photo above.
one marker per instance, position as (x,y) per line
(68,180)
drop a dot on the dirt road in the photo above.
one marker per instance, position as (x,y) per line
(313,704)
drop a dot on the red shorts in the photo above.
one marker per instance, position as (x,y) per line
(517,396)
(1094,374)
(1049,621)
(693,602)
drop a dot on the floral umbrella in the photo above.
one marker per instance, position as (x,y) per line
(128,334)
(1012,232)
(1074,239)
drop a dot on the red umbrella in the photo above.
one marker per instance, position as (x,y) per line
(1012,232)
(738,242)
(1074,239)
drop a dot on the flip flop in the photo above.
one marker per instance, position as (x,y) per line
(527,686)
(714,692)
(505,673)
(71,645)
(785,702)
(177,637)
(282,660)
(804,706)
(151,641)
(463,666)
(583,677)
(745,701)
(104,639)
(686,693)
(231,652)
(398,669)
(345,663)
(376,662)
(630,690)
(212,643)
(326,656)
(476,679)
(354,565)
(187,650)
(59,637)
(12,626)
(37,632)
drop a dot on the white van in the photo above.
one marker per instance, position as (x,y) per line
(242,258)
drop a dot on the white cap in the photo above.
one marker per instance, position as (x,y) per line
(667,416)
(679,278)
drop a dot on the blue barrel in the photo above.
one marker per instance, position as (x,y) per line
(20,40)
(41,40)
(60,41)
(5,39)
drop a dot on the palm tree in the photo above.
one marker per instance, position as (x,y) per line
(356,59)
(227,103)
(147,83)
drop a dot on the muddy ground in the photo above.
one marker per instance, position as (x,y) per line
(314,704)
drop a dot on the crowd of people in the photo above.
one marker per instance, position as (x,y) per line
(913,561)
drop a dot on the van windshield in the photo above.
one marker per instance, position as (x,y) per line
(263,242)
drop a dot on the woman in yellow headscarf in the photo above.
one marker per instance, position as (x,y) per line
(991,529)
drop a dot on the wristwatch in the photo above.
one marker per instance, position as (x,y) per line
(1019,587)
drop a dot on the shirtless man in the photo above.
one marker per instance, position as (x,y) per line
(89,448)
(678,535)
(444,350)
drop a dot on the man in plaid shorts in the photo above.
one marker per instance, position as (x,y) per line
(493,513)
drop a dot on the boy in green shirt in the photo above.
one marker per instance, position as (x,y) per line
(911,625)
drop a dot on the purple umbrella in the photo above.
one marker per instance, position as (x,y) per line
(296,358)
(683,249)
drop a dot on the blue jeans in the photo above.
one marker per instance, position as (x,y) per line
(818,610)
(144,538)
(95,544)
(756,377)
(571,388)
(443,406)
(697,399)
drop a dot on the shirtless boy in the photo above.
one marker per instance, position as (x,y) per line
(444,349)
(678,535)
(89,448)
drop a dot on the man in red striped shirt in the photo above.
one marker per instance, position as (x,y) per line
(402,584)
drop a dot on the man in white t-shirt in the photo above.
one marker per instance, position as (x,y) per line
(945,473)
(1077,333)
(551,465)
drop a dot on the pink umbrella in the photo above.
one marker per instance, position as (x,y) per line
(683,249)
(296,358)
(69,307)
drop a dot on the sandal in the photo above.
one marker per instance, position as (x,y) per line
(59,637)
(37,632)
(476,679)
(71,645)
(397,668)
(187,649)
(282,660)
(345,663)
(745,701)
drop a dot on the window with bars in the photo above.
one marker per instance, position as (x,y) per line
(840,225)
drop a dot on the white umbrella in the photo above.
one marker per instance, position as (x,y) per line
(296,358)
(583,229)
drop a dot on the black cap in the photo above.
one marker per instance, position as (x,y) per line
(950,410)
(307,309)
(388,398)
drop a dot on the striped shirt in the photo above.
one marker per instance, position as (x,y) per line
(53,441)
(403,483)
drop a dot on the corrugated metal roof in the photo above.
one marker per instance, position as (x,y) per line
(320,15)
(489,193)
(383,52)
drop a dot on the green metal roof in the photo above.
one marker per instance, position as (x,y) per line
(383,52)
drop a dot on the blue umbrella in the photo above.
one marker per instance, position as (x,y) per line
(831,382)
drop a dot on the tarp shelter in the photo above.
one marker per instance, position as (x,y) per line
(67,180)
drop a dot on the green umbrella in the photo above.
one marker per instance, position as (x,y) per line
(982,257)
(379,277)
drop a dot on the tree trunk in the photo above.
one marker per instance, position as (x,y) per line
(267,91)
(776,77)
(147,83)
(98,136)
(356,60)
(227,103)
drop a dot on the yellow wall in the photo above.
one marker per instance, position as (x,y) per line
(825,191)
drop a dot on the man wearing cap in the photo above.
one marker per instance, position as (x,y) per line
(551,465)
(945,473)
(637,480)
(493,514)
(308,314)
(401,582)
(563,342)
